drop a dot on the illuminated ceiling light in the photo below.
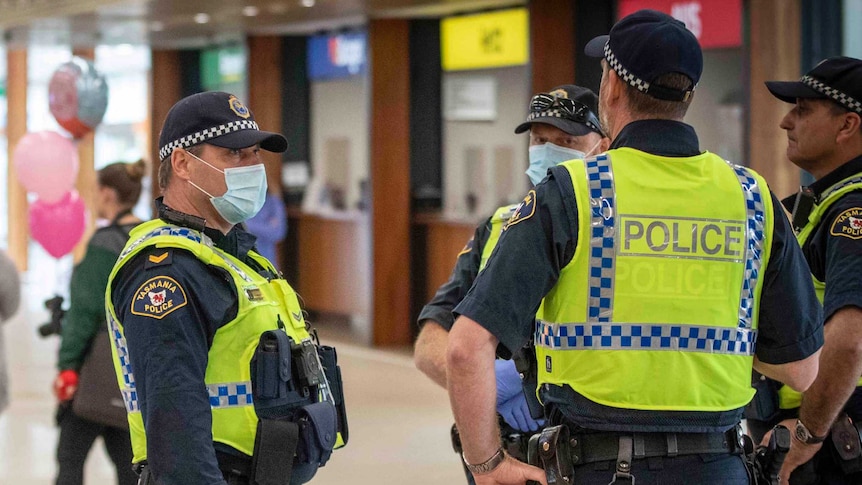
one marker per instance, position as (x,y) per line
(157,26)
(202,18)
(307,3)
(250,11)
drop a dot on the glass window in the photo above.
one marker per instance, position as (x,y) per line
(852,35)
(123,134)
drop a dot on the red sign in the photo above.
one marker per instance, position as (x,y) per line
(715,23)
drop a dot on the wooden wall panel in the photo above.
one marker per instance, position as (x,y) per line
(552,43)
(774,52)
(390,179)
(165,90)
(16,127)
(444,242)
(264,95)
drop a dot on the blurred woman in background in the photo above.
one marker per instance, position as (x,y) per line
(119,187)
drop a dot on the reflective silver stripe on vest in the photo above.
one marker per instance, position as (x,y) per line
(628,336)
(839,186)
(185,232)
(754,247)
(191,235)
(130,394)
(230,394)
(600,177)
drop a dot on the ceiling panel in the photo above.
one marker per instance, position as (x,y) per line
(192,23)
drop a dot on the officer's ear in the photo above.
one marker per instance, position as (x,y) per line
(851,128)
(180,160)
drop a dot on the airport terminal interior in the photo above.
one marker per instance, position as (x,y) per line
(399,116)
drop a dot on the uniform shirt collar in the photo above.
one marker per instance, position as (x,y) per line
(237,242)
(666,138)
(849,169)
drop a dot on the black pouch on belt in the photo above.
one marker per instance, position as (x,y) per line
(846,438)
(329,361)
(317,432)
(277,394)
(555,454)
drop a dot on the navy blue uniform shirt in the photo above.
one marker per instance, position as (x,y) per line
(527,262)
(835,257)
(169,355)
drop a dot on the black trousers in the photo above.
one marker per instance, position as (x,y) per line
(76,438)
(707,469)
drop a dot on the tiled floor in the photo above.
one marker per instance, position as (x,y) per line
(399,421)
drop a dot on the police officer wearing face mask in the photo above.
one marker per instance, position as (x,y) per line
(188,302)
(563,125)
(650,270)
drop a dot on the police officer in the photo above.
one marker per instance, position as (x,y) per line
(824,137)
(563,125)
(188,302)
(656,266)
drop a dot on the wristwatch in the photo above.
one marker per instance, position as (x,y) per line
(488,465)
(805,436)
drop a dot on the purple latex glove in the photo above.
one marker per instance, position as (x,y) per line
(511,401)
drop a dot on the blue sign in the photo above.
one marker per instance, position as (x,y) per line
(336,56)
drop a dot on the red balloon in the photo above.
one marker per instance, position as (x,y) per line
(46,163)
(58,226)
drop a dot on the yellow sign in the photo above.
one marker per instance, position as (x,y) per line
(495,39)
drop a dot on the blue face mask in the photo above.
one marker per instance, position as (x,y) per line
(245,195)
(543,157)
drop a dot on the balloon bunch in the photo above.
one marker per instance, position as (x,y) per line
(47,162)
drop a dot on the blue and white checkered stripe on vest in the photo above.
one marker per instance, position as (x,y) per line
(221,395)
(601,333)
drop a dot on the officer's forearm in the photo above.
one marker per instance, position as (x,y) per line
(429,354)
(472,388)
(840,368)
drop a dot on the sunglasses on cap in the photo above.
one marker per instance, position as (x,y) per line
(568,108)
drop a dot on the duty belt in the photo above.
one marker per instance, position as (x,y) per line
(591,448)
(558,452)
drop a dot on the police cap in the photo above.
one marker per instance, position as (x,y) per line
(570,108)
(217,118)
(647,44)
(835,78)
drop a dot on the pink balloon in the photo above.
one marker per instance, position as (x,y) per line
(58,226)
(47,164)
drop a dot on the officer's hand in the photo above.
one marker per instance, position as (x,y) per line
(799,454)
(512,472)
(516,413)
(66,384)
(508,380)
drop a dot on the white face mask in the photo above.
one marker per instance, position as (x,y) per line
(245,195)
(543,157)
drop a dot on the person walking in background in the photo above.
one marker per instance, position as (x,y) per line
(269,226)
(119,187)
(10,298)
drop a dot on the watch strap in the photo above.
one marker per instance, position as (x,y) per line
(805,435)
(488,465)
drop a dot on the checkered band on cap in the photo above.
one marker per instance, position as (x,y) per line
(208,134)
(557,113)
(839,97)
(624,73)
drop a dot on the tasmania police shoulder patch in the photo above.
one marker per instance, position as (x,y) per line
(848,224)
(525,210)
(158,297)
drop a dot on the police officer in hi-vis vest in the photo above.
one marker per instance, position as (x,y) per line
(659,275)
(221,379)
(563,125)
(824,135)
